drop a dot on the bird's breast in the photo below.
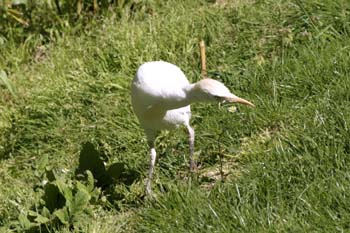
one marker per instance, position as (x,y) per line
(157,119)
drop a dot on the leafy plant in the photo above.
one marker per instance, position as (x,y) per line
(65,201)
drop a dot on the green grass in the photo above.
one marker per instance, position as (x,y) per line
(286,160)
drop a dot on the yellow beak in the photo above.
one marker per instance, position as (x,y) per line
(236,99)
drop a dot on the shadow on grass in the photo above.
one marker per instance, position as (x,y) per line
(67,199)
(106,177)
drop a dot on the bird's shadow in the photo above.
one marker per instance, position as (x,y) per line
(106,177)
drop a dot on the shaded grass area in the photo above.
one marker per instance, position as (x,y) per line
(291,153)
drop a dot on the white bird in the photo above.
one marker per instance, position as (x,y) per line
(161,96)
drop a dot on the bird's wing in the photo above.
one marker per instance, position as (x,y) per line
(159,81)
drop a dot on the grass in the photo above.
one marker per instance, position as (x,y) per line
(286,160)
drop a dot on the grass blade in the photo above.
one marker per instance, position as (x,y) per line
(6,82)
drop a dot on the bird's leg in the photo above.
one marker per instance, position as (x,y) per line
(151,168)
(193,165)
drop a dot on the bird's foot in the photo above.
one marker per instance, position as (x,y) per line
(193,166)
(150,195)
(148,191)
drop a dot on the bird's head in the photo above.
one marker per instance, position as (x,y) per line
(212,90)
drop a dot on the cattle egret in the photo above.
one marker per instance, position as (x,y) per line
(161,96)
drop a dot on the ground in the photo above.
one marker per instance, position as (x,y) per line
(283,166)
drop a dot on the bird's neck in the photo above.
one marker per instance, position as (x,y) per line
(191,94)
(181,99)
(194,94)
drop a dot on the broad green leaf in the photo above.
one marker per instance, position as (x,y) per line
(24,222)
(45,212)
(82,187)
(90,181)
(38,217)
(41,219)
(81,199)
(32,213)
(95,193)
(62,215)
(65,190)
